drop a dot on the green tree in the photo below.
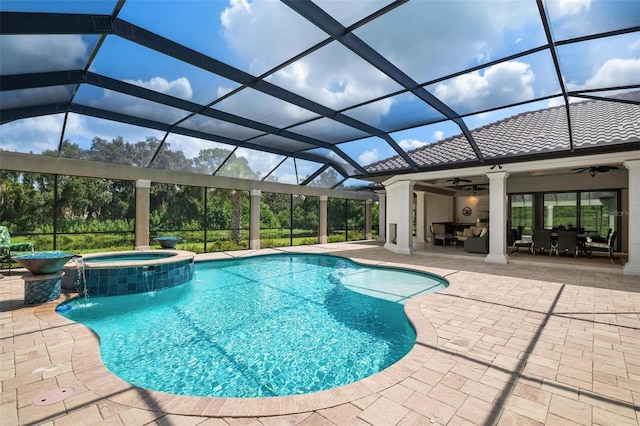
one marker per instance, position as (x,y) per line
(208,161)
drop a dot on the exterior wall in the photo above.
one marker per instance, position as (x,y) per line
(438,208)
(479,205)
(624,225)
(568,182)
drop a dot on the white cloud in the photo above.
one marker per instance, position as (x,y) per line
(289,178)
(614,72)
(81,130)
(409,144)
(504,83)
(554,102)
(40,53)
(266,33)
(179,88)
(189,146)
(438,135)
(223,91)
(260,162)
(563,8)
(337,78)
(116,101)
(635,45)
(37,96)
(368,157)
(411,36)
(34,134)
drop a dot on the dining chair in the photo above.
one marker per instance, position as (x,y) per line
(567,243)
(542,241)
(608,247)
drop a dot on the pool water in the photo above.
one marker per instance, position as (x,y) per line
(255,327)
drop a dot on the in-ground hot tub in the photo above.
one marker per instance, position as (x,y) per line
(128,272)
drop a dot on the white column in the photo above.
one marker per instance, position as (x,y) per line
(632,267)
(322,217)
(420,218)
(367,219)
(497,217)
(254,219)
(143,193)
(382,216)
(399,221)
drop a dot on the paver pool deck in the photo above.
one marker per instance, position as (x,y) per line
(509,344)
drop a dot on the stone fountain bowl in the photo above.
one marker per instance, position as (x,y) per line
(167,242)
(44,262)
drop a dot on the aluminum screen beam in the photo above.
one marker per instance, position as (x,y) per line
(556,65)
(25,81)
(328,24)
(59,108)
(60,23)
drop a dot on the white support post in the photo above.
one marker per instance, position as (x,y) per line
(143,194)
(382,216)
(367,219)
(420,218)
(322,217)
(399,220)
(497,217)
(254,219)
(632,267)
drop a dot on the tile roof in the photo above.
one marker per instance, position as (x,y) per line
(594,123)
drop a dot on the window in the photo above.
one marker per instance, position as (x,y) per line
(522,213)
(560,210)
(597,211)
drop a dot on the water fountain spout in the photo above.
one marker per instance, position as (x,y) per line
(81,282)
(148,271)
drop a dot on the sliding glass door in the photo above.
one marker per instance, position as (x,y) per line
(592,212)
(597,211)
(522,213)
(561,210)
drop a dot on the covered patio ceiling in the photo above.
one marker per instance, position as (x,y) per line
(312,93)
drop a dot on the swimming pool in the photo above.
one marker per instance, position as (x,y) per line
(265,326)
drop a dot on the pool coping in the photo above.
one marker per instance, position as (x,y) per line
(177,255)
(91,372)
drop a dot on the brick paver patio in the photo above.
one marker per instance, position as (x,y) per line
(508,345)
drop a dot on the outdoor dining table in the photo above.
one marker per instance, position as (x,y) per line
(582,239)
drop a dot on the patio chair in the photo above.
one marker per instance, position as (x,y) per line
(591,246)
(8,249)
(567,242)
(438,233)
(542,241)
(516,242)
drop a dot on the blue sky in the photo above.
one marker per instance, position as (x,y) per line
(425,39)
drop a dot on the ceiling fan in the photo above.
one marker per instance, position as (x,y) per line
(593,170)
(456,181)
(475,188)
